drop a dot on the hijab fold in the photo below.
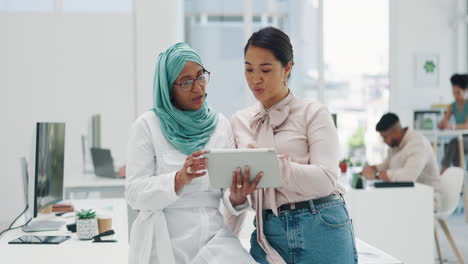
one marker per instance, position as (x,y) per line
(187,131)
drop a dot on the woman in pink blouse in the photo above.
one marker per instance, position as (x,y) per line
(304,221)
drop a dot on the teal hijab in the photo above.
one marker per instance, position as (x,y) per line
(187,131)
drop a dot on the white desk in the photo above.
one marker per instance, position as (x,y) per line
(435,135)
(74,250)
(79,182)
(367,254)
(399,221)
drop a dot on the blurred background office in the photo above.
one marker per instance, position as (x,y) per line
(66,60)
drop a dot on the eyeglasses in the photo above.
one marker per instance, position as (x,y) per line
(188,85)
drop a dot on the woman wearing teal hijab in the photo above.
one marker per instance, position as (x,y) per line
(179,219)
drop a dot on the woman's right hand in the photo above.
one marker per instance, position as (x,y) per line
(443,124)
(193,163)
(241,187)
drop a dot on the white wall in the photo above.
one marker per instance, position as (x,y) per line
(423,26)
(61,68)
(157,28)
(66,67)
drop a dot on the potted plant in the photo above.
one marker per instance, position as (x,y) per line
(344,165)
(86,224)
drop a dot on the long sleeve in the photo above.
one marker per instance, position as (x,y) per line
(144,190)
(385,164)
(230,144)
(233,216)
(318,178)
(304,135)
(415,161)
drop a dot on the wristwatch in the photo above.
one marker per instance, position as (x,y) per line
(376,174)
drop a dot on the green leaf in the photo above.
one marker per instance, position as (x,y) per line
(85,214)
(429,66)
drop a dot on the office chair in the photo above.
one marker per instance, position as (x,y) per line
(451,182)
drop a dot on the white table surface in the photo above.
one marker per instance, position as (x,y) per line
(367,254)
(443,133)
(399,221)
(73,250)
(91,180)
(80,182)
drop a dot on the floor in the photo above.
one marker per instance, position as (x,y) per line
(459,229)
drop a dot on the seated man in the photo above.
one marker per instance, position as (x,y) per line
(410,157)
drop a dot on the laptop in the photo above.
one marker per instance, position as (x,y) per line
(103,163)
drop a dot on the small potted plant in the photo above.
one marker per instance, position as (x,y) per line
(344,165)
(86,224)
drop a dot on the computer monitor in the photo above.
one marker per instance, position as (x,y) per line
(45,180)
(91,140)
(94,131)
(335,121)
(427,119)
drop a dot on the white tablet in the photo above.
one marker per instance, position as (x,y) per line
(222,162)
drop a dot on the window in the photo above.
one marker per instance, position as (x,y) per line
(27,5)
(216,30)
(96,6)
(67,6)
(356,48)
(340,56)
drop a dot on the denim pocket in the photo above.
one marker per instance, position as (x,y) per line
(273,226)
(334,215)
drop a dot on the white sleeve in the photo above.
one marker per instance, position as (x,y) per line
(415,161)
(238,209)
(226,129)
(230,144)
(319,177)
(385,164)
(144,190)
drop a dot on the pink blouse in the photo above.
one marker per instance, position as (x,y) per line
(303,133)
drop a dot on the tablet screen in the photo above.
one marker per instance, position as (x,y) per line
(222,162)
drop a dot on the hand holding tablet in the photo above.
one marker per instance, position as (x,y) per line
(241,185)
(194,167)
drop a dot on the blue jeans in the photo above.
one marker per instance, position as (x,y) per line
(322,234)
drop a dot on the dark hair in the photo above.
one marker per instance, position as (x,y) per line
(276,41)
(386,122)
(460,80)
